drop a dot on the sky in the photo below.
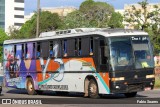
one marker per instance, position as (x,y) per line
(31,5)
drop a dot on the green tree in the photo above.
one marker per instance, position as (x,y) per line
(116,20)
(155,39)
(3,37)
(138,17)
(13,32)
(146,20)
(90,14)
(75,19)
(48,21)
(97,13)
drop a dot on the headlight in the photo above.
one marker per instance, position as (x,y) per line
(117,79)
(150,76)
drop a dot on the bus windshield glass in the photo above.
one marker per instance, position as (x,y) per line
(142,52)
(129,53)
(121,53)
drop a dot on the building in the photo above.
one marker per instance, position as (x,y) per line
(28,17)
(11,14)
(121,11)
(62,11)
(2,13)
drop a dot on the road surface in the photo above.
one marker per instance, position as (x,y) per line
(76,100)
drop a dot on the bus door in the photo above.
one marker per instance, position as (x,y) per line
(102,60)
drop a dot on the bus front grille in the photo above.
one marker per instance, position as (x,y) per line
(135,87)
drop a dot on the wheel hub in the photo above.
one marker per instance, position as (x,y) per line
(30,86)
(93,89)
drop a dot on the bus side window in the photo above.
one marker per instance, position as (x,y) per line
(79,47)
(51,49)
(85,46)
(91,46)
(15,49)
(103,58)
(65,48)
(38,52)
(34,50)
(44,49)
(60,49)
(26,50)
(71,47)
(22,51)
(75,47)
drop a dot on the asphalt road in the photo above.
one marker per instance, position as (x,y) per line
(76,100)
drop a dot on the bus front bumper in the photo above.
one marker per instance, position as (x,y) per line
(128,87)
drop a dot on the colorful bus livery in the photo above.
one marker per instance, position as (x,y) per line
(88,60)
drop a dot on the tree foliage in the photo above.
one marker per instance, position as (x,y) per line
(138,16)
(97,13)
(75,19)
(116,20)
(3,37)
(48,21)
(142,18)
(90,14)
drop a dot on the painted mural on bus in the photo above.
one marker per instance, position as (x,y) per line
(93,62)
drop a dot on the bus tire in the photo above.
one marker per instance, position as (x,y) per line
(93,89)
(30,87)
(132,94)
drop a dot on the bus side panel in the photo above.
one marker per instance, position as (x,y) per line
(12,62)
(28,66)
(73,78)
(68,74)
(52,67)
(16,68)
(103,83)
(27,69)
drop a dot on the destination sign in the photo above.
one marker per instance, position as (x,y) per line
(138,38)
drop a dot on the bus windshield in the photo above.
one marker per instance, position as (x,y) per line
(142,52)
(130,52)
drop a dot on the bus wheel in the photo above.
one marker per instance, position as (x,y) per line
(93,89)
(133,94)
(30,87)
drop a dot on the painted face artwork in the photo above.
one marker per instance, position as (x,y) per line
(11,64)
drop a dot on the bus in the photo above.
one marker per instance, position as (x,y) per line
(1,83)
(92,61)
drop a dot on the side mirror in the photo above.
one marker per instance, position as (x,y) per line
(106,51)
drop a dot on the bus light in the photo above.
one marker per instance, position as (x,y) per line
(118,79)
(150,76)
(117,87)
(125,83)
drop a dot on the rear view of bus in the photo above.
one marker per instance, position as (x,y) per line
(132,64)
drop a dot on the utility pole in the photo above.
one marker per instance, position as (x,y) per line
(38,13)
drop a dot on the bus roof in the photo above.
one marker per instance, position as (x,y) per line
(80,32)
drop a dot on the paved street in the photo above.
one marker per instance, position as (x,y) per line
(18,93)
(77,100)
